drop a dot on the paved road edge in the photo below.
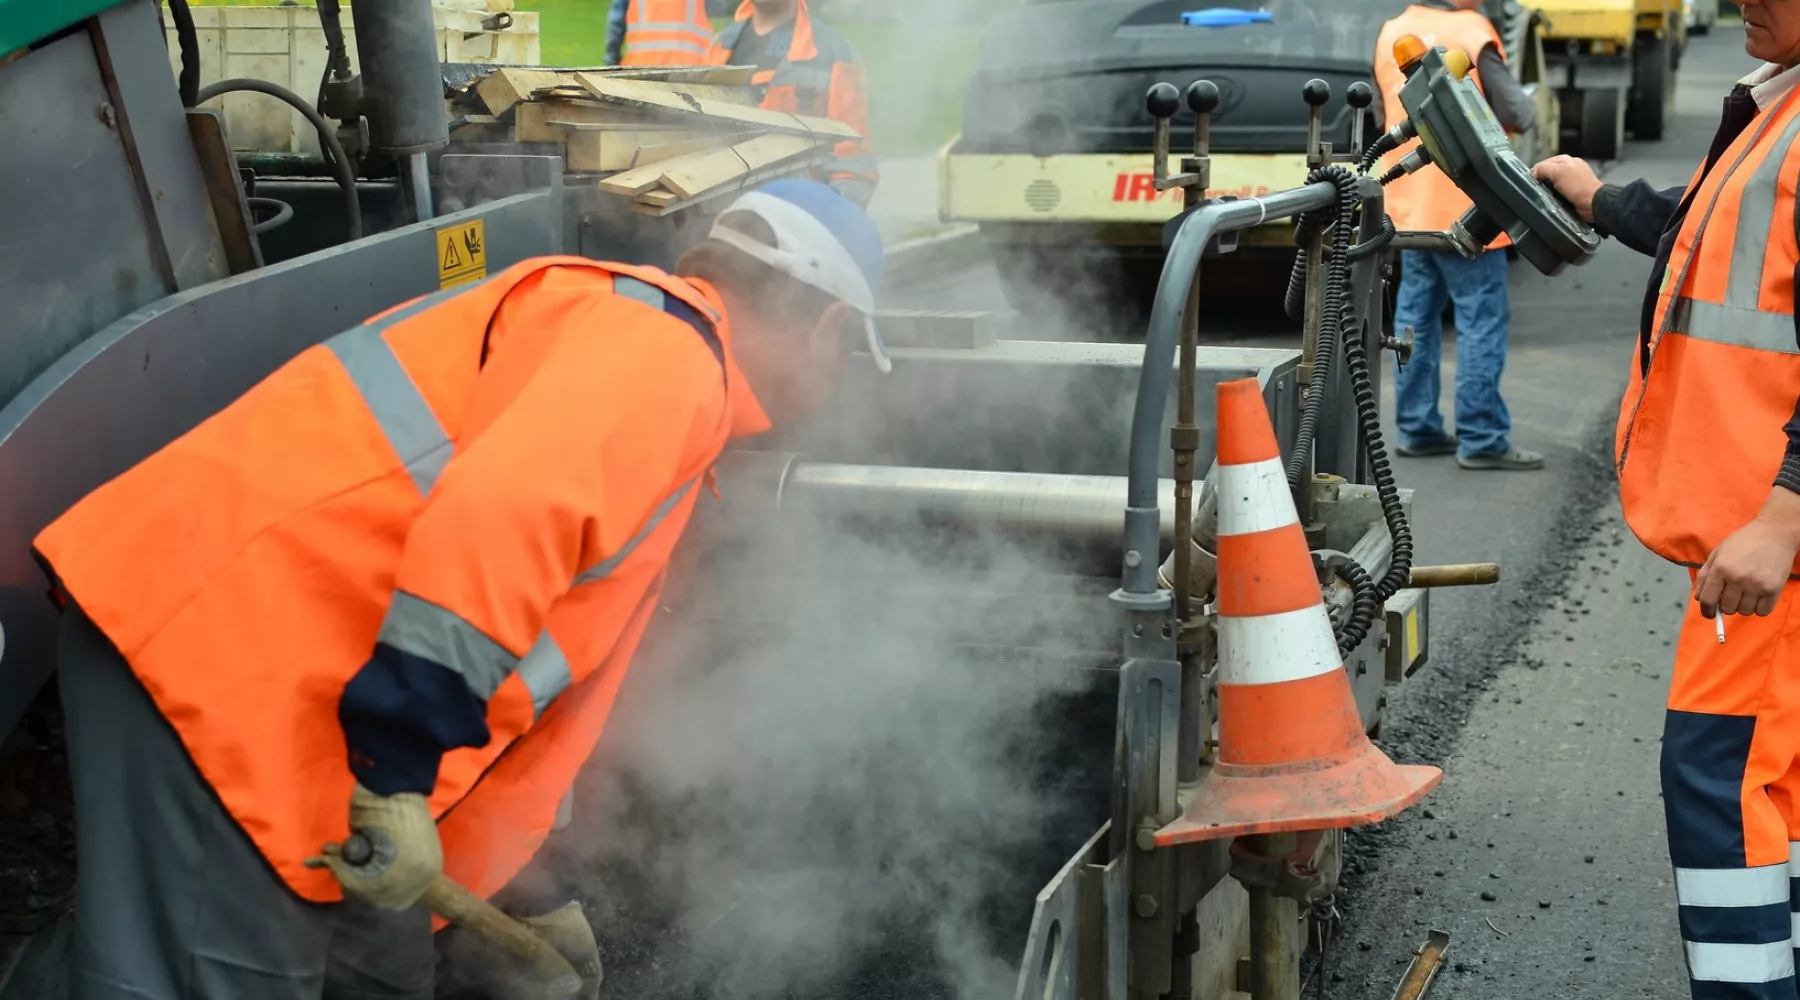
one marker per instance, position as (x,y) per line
(927,257)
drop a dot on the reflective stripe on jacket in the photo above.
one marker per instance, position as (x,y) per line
(489,479)
(1427,200)
(667,33)
(822,76)
(1700,435)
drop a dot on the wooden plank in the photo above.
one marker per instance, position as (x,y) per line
(607,150)
(541,121)
(503,88)
(638,94)
(656,152)
(694,175)
(790,169)
(632,183)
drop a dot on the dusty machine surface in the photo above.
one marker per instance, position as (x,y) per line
(1050,160)
(959,623)
(1612,64)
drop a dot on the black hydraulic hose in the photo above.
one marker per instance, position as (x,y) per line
(1364,605)
(1368,414)
(283,213)
(189,83)
(328,141)
(1337,282)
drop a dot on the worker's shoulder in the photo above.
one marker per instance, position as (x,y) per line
(832,44)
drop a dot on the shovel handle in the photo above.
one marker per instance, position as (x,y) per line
(451,900)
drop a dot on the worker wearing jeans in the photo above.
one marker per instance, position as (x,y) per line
(1430,280)
(1477,287)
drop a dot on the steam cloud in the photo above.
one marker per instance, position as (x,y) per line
(787,809)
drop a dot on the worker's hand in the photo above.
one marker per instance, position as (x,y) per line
(407,855)
(1746,573)
(1573,179)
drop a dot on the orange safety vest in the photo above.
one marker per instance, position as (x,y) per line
(821,76)
(493,476)
(667,33)
(1427,200)
(1700,436)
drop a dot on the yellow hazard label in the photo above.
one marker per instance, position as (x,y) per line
(1412,635)
(462,254)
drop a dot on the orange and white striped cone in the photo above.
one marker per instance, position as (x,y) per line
(1292,752)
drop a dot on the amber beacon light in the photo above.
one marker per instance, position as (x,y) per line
(1409,49)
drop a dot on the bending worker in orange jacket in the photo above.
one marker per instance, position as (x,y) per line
(806,68)
(394,588)
(1708,456)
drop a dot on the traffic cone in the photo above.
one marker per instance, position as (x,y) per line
(1292,752)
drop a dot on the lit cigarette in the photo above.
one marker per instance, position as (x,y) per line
(1719,625)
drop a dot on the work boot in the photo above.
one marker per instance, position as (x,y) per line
(1432,449)
(1511,460)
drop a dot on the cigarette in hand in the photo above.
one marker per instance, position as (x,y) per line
(1719,625)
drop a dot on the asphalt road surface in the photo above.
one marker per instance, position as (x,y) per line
(1544,699)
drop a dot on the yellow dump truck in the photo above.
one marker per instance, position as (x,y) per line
(1613,64)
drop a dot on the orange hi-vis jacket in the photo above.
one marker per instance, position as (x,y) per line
(1427,200)
(820,75)
(1700,436)
(488,481)
(667,33)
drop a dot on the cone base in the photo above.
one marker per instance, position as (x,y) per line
(1356,789)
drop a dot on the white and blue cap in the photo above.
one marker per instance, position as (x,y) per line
(822,239)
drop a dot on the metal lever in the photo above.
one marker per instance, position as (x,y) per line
(1202,100)
(1316,93)
(1359,96)
(1162,102)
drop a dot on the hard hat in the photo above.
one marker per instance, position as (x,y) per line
(822,239)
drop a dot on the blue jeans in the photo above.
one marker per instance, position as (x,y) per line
(1428,280)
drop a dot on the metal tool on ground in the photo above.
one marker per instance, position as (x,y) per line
(553,977)
(1426,963)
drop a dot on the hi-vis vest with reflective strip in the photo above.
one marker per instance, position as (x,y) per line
(820,75)
(667,33)
(1427,200)
(492,478)
(1700,435)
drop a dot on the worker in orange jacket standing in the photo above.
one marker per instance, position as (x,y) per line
(1429,279)
(1708,457)
(806,68)
(394,589)
(658,33)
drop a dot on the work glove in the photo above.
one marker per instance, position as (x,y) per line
(406,858)
(495,972)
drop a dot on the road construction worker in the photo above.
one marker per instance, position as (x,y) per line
(394,589)
(806,68)
(1708,458)
(1427,200)
(658,33)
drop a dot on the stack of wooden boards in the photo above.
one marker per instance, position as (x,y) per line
(664,138)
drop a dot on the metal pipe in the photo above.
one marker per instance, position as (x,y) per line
(418,186)
(1143,518)
(1071,508)
(1274,929)
(1456,575)
(403,85)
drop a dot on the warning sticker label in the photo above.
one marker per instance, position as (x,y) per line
(462,254)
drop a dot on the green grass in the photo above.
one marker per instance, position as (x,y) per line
(917,73)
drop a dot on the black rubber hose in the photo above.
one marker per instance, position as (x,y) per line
(1363,607)
(284,212)
(328,141)
(1368,413)
(189,82)
(1337,282)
